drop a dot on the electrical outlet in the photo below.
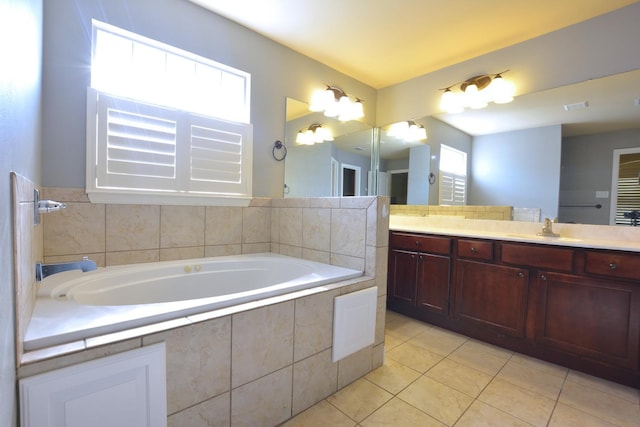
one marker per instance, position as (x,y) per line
(602,194)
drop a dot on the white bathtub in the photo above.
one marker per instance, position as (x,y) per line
(73,305)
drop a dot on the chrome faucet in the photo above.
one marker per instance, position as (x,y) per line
(44,270)
(547,229)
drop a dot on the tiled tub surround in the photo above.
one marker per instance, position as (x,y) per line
(28,250)
(250,365)
(501,213)
(254,364)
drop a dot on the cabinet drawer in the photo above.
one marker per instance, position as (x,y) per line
(421,243)
(613,264)
(546,257)
(475,249)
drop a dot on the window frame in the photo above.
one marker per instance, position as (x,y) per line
(177,196)
(452,181)
(184,190)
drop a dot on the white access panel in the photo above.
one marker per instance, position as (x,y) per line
(124,390)
(354,322)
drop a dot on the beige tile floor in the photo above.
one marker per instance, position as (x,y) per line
(433,377)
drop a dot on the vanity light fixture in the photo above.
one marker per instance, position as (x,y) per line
(334,102)
(314,134)
(477,92)
(408,131)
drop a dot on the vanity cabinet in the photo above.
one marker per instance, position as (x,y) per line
(594,319)
(574,306)
(492,297)
(419,274)
(489,296)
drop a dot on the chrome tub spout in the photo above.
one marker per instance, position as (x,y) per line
(44,270)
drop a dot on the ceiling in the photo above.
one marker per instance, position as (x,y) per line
(382,43)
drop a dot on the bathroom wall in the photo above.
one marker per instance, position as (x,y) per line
(20,143)
(505,165)
(276,73)
(590,170)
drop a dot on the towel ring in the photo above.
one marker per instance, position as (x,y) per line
(281,150)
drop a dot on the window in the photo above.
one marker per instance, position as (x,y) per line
(453,176)
(164,122)
(627,202)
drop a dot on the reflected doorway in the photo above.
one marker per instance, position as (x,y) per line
(335,178)
(350,180)
(399,185)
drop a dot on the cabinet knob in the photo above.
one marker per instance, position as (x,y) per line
(613,266)
(474,250)
(417,242)
(543,277)
(520,274)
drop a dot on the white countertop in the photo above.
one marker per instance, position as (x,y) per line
(573,235)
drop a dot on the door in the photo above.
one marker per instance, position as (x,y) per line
(125,390)
(492,297)
(402,276)
(594,318)
(350,180)
(433,283)
(398,186)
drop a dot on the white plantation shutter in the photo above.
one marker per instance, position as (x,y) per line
(628,199)
(136,145)
(453,176)
(143,148)
(453,189)
(219,150)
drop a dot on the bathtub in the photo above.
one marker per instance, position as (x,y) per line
(73,305)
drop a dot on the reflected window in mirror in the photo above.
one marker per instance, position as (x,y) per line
(453,176)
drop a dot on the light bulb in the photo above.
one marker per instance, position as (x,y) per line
(474,98)
(317,101)
(501,90)
(398,130)
(357,109)
(451,102)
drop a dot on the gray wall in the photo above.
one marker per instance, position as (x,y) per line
(20,77)
(439,133)
(586,168)
(308,170)
(276,72)
(520,169)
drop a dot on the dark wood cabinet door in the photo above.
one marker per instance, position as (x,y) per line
(594,318)
(491,297)
(433,283)
(402,276)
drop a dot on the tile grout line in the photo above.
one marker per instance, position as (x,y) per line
(557,400)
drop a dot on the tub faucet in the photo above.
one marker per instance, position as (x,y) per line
(44,270)
(547,229)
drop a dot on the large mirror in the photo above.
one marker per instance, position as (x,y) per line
(338,167)
(533,154)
